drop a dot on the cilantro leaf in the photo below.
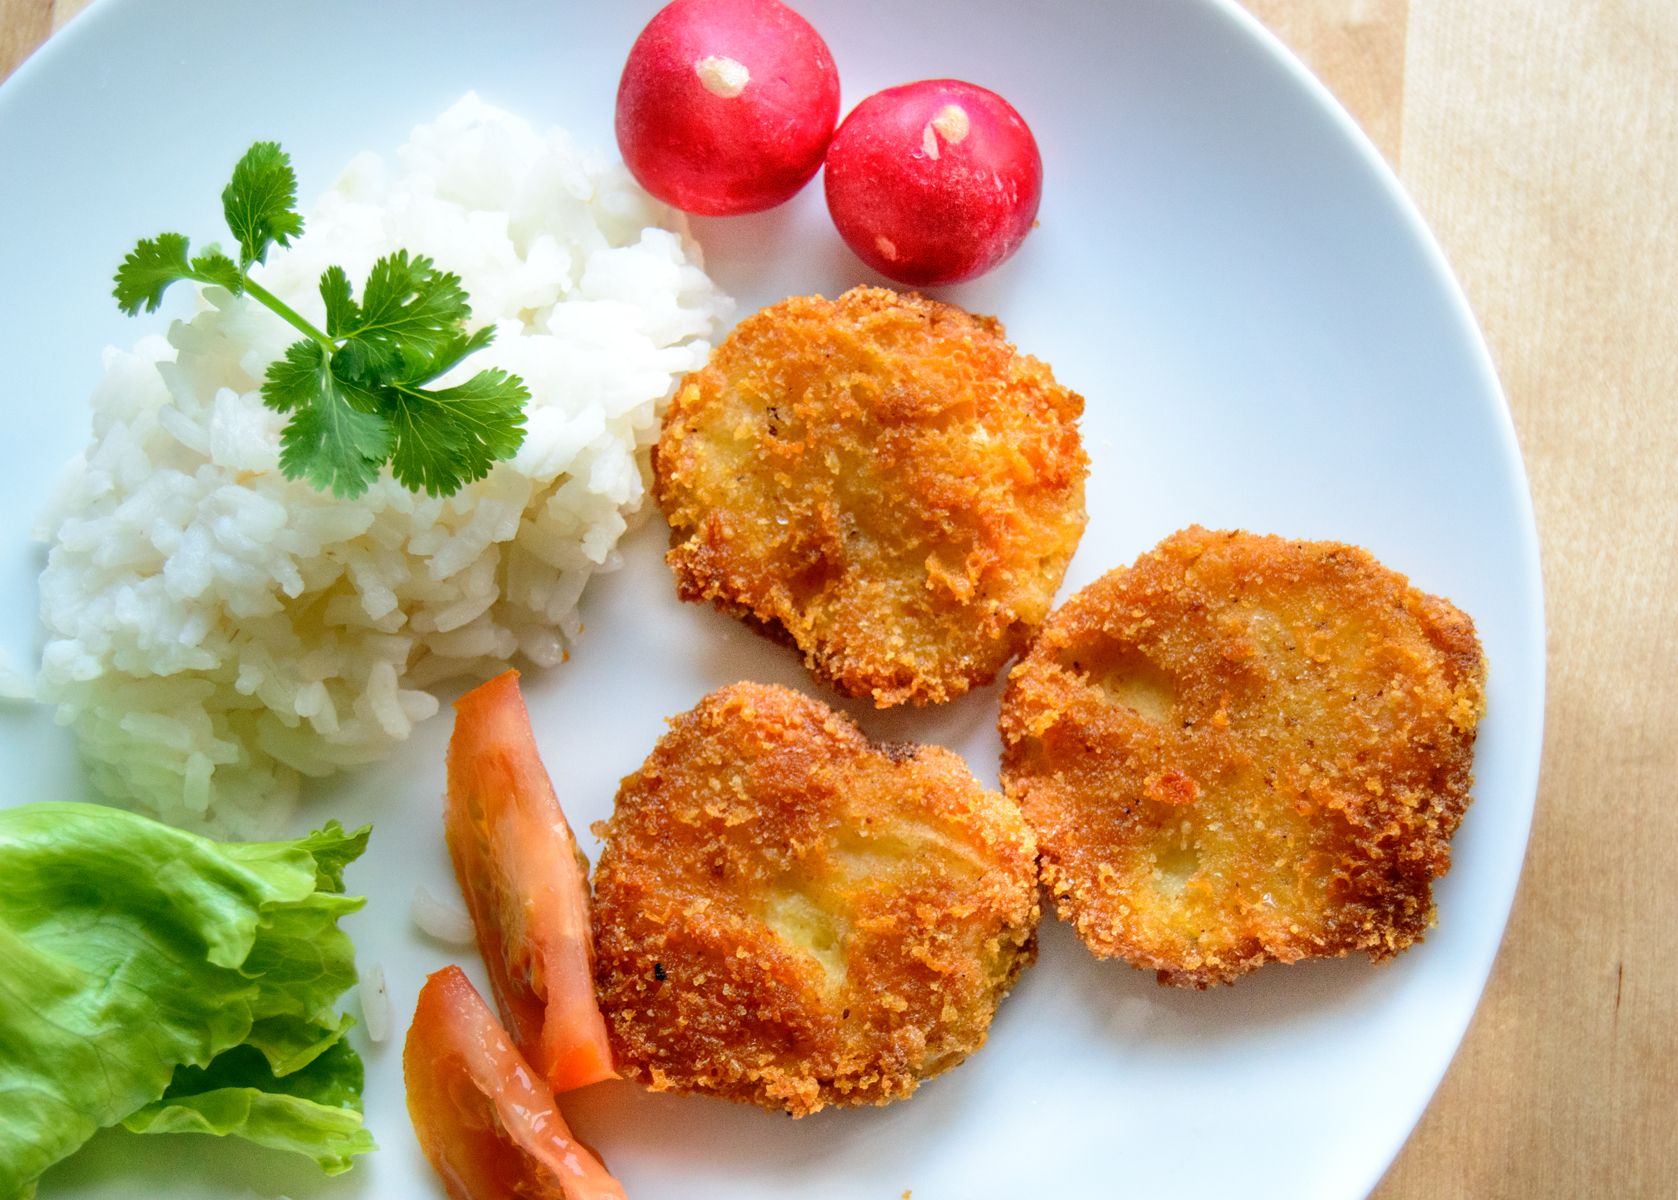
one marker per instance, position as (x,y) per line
(260,202)
(294,381)
(336,438)
(356,391)
(213,266)
(342,313)
(447,356)
(410,311)
(157,262)
(337,448)
(448,438)
(150,268)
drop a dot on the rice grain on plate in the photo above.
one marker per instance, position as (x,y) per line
(214,631)
(448,923)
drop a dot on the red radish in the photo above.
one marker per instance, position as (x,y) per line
(934,182)
(726,106)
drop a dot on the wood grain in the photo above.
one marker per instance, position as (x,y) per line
(1356,47)
(1541,143)
(24,24)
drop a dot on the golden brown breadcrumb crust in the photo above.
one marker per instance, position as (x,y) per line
(788,915)
(880,480)
(1244,750)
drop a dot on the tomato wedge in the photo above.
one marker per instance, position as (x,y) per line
(526,886)
(485,1120)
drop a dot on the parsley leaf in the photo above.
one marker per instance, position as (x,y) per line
(356,391)
(260,202)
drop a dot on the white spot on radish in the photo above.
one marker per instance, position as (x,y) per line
(951,124)
(724,76)
(929,141)
(884,246)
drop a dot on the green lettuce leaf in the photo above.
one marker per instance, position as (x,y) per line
(314,1111)
(131,951)
(292,1043)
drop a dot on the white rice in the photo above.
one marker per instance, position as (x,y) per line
(376,1012)
(215,631)
(14,687)
(443,921)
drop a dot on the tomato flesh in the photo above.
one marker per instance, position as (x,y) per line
(486,1121)
(526,887)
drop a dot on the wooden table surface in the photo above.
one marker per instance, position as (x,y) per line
(1541,142)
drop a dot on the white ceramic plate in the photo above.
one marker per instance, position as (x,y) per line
(1267,338)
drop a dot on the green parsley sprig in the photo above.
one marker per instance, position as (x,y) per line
(356,391)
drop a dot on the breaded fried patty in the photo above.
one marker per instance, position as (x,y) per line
(789,915)
(1244,750)
(880,480)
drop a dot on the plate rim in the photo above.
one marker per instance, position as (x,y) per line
(1487,379)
